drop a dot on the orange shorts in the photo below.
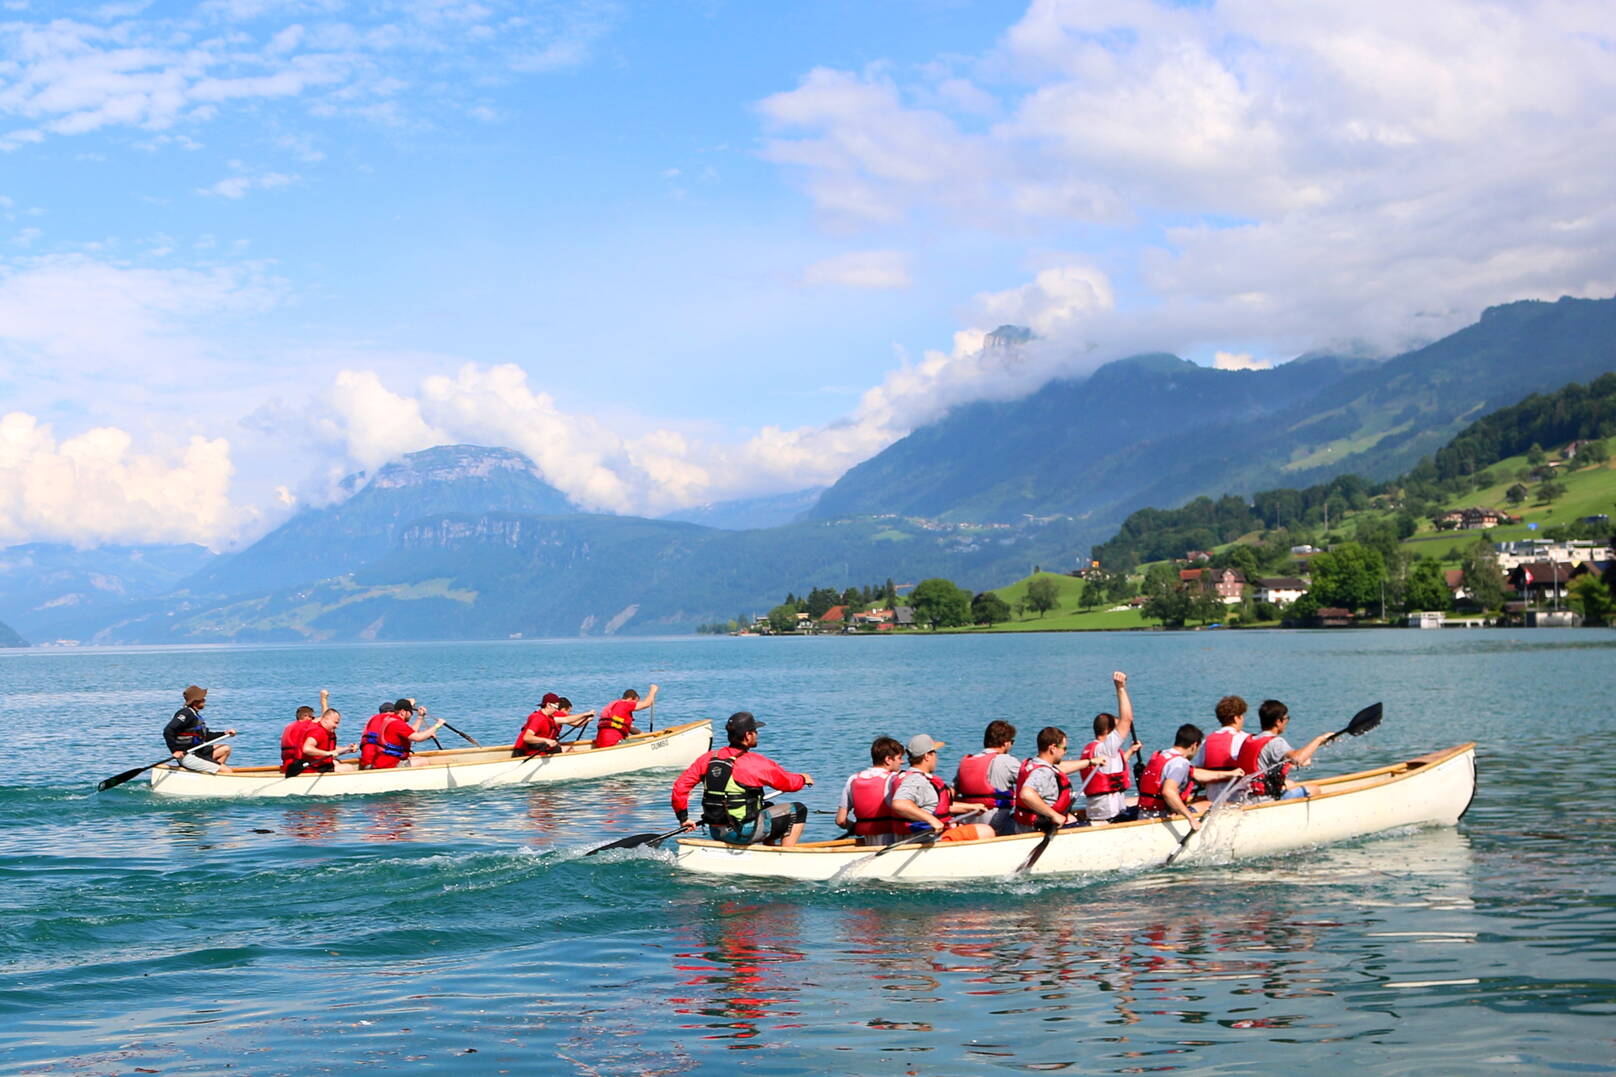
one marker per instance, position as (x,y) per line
(957,833)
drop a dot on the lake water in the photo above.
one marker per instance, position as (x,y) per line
(465,932)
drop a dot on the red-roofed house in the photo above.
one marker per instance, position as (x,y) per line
(834,616)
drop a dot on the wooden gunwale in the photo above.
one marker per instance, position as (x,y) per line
(499,753)
(1390,775)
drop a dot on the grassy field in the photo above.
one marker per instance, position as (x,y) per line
(1589,492)
(1066,617)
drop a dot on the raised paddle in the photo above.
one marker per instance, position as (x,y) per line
(1361,723)
(118,779)
(634,841)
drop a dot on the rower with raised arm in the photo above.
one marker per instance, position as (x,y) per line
(1168,784)
(617,717)
(866,803)
(733,780)
(1221,749)
(1270,756)
(187,729)
(1107,784)
(988,777)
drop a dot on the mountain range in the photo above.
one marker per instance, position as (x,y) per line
(470,542)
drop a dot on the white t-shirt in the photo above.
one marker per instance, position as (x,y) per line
(1105,805)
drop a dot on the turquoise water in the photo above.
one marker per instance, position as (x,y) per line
(464,931)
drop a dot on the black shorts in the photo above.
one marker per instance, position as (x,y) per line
(772,824)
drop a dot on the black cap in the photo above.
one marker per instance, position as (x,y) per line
(404,706)
(741,723)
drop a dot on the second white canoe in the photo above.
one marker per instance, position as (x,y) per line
(463,768)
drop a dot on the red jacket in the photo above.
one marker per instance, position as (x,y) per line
(751,768)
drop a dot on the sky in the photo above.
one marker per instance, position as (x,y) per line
(688,250)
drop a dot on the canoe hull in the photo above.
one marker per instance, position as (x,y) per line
(678,746)
(1434,790)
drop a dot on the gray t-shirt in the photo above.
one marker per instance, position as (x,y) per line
(916,788)
(1273,753)
(1105,805)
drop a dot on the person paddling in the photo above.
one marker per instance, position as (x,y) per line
(541,735)
(1270,755)
(389,737)
(1043,792)
(187,729)
(988,777)
(318,753)
(1221,749)
(293,738)
(733,780)
(866,804)
(617,718)
(926,801)
(1168,784)
(1107,783)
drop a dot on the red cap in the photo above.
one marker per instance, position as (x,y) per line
(549,698)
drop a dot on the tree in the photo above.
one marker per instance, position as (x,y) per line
(1482,576)
(783,618)
(1171,607)
(1550,490)
(1516,494)
(1592,454)
(1591,598)
(1349,576)
(988,608)
(1240,557)
(1043,595)
(937,602)
(1119,588)
(1426,588)
(1535,455)
(820,600)
(853,599)
(1207,607)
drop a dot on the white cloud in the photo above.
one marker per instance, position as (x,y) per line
(1314,172)
(1239,361)
(1053,304)
(238,185)
(861,269)
(93,488)
(130,67)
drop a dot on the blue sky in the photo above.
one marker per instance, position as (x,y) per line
(685,251)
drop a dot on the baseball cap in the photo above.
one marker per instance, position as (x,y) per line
(920,744)
(742,722)
(549,697)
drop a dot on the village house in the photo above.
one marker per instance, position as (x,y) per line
(1514,554)
(1229,584)
(1454,578)
(1541,581)
(1334,617)
(1281,590)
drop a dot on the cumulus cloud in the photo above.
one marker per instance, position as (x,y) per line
(1313,173)
(237,186)
(93,488)
(861,269)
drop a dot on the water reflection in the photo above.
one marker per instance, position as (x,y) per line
(742,972)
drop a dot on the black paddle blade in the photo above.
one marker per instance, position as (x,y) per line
(1364,720)
(633,841)
(118,779)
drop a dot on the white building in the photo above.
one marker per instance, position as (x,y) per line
(1511,555)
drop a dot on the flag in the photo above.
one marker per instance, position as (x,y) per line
(1526,577)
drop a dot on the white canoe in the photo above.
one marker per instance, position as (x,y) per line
(1433,790)
(458,768)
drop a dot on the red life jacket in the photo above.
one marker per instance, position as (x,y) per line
(1098,783)
(375,746)
(292,738)
(325,740)
(1151,781)
(945,800)
(871,797)
(541,724)
(618,716)
(1249,754)
(1063,796)
(972,781)
(1220,751)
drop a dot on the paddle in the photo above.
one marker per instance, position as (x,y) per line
(1050,830)
(118,779)
(1361,723)
(634,841)
(923,835)
(475,743)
